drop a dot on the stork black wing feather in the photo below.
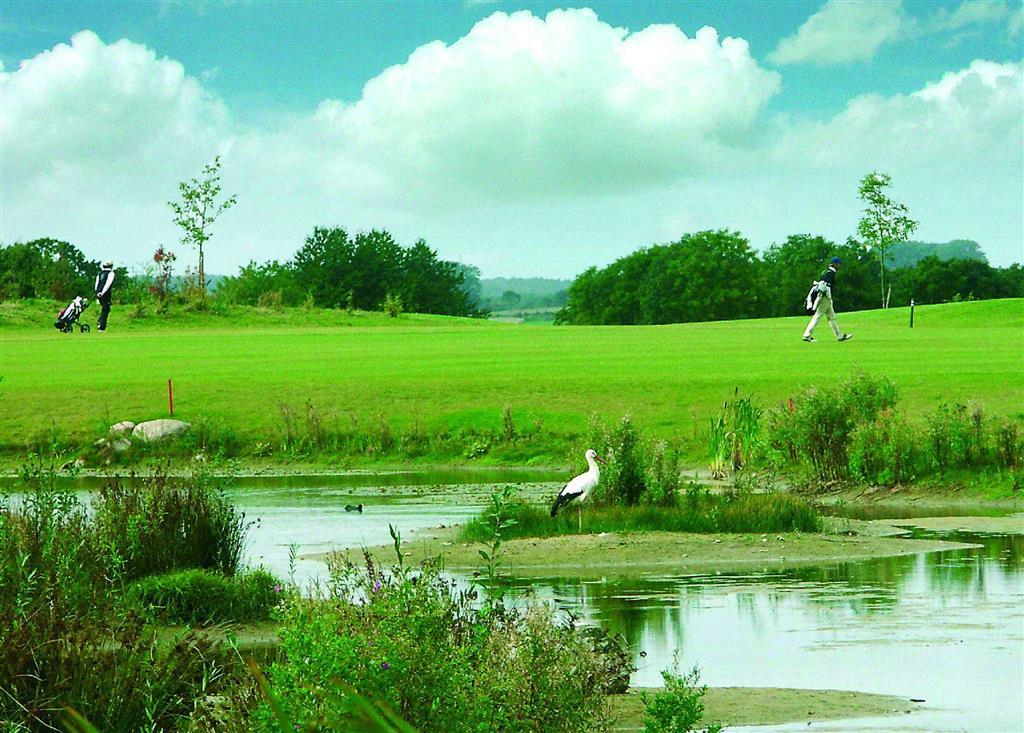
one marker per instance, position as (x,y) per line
(563,499)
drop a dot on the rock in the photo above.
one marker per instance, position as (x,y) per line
(125,426)
(121,445)
(154,430)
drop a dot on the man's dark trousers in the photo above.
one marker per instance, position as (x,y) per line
(101,325)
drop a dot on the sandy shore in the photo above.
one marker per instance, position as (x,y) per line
(613,554)
(736,706)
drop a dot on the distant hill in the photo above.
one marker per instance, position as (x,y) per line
(517,293)
(495,287)
(908,254)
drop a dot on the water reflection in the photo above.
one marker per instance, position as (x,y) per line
(947,627)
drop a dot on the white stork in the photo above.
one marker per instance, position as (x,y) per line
(579,488)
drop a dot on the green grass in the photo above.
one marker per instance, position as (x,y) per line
(204,597)
(235,369)
(772,512)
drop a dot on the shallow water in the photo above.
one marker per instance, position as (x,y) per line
(947,627)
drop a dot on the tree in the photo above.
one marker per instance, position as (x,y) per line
(46,268)
(198,209)
(884,222)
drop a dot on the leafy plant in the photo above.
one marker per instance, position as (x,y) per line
(679,707)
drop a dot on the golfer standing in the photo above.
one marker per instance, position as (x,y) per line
(104,284)
(823,306)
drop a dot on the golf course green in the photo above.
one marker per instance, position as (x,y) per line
(238,368)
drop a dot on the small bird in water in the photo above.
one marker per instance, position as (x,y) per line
(354,508)
(580,487)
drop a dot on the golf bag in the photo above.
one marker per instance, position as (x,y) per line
(67,319)
(811,301)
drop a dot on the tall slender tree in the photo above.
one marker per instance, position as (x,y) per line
(198,208)
(884,222)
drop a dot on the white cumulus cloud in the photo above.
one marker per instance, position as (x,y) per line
(841,32)
(530,146)
(525,106)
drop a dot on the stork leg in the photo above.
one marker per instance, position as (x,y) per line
(579,514)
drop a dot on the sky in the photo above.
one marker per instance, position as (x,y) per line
(529,139)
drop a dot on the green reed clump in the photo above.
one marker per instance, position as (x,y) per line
(434,655)
(205,597)
(162,523)
(701,512)
(64,639)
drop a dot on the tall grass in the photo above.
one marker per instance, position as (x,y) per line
(702,512)
(163,523)
(65,641)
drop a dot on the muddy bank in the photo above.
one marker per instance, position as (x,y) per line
(632,554)
(737,706)
(1010,524)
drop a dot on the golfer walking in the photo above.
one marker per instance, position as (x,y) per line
(104,284)
(823,304)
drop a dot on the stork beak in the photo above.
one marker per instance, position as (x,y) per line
(600,460)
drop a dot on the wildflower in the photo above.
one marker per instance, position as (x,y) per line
(385,665)
(376,586)
(277,588)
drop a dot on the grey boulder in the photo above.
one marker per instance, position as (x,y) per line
(155,430)
(125,426)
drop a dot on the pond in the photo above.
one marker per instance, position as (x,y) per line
(946,627)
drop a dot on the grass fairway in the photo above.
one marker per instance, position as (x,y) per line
(443,372)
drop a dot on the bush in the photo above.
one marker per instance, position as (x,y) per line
(392,305)
(883,450)
(677,709)
(431,653)
(205,597)
(1008,445)
(956,436)
(638,470)
(819,428)
(158,524)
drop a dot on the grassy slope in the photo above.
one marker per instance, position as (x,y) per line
(237,368)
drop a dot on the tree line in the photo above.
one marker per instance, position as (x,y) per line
(716,274)
(332,269)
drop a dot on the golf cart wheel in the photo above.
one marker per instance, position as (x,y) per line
(84,328)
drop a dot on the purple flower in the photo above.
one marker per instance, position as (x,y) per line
(385,665)
(277,588)
(376,586)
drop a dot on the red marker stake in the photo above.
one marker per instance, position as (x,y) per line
(170,397)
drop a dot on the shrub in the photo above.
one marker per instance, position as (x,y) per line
(162,523)
(819,428)
(205,597)
(883,450)
(429,652)
(677,709)
(392,305)
(952,439)
(1008,444)
(638,470)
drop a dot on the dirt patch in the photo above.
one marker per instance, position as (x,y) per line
(737,706)
(1011,524)
(610,554)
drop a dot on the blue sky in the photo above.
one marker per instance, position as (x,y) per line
(756,126)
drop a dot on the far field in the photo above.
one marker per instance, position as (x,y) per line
(237,368)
